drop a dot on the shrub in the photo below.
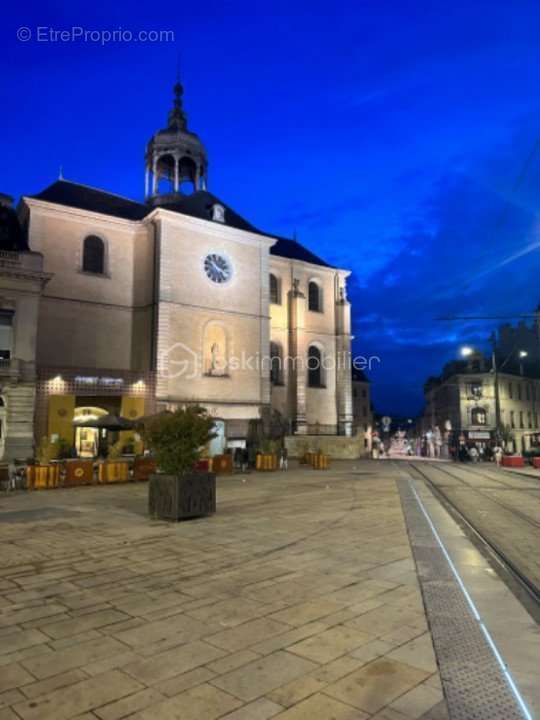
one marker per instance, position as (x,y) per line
(177,439)
(49,450)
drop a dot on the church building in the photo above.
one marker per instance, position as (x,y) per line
(177,300)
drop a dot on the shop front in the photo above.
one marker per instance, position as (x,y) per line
(68,400)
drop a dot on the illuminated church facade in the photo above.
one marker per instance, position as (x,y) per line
(178,300)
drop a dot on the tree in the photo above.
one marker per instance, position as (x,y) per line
(177,439)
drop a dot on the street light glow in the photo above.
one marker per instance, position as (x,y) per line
(466,351)
(523,353)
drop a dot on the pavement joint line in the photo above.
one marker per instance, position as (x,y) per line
(458,702)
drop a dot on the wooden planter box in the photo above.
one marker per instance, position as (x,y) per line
(512,461)
(79,472)
(222,464)
(176,497)
(143,467)
(320,462)
(113,471)
(266,462)
(39,477)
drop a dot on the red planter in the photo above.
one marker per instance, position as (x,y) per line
(536,462)
(513,461)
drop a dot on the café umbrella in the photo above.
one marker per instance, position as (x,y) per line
(111,422)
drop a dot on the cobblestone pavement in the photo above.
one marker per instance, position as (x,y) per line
(298,600)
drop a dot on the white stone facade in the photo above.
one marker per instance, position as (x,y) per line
(154,311)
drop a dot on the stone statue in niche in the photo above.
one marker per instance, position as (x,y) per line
(218,213)
(217,361)
(215,351)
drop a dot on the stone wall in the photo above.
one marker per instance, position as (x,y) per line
(338,447)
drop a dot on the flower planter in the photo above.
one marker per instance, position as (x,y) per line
(143,467)
(176,497)
(222,464)
(79,472)
(320,462)
(536,462)
(513,461)
(40,477)
(113,471)
(266,462)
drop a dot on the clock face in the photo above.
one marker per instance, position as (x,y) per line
(217,268)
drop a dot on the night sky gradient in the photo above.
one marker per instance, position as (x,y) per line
(396,139)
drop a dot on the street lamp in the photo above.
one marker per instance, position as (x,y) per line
(522,354)
(466,351)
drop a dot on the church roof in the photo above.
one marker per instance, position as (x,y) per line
(198,204)
(63,192)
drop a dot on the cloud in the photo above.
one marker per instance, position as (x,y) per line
(472,249)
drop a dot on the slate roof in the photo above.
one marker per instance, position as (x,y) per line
(198,204)
(63,192)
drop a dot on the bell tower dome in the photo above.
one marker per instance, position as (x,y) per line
(176,162)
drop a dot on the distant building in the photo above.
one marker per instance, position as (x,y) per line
(21,283)
(524,337)
(362,410)
(465,396)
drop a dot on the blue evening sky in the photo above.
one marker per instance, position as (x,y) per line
(390,136)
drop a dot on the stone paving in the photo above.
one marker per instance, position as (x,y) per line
(298,600)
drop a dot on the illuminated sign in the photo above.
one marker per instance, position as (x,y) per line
(90,380)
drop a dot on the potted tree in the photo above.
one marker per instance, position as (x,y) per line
(178,490)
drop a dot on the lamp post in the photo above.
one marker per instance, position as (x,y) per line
(522,354)
(495,371)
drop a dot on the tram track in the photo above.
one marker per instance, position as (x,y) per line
(505,562)
(491,498)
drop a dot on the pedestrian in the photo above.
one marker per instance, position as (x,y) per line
(473,454)
(237,457)
(497,454)
(284,459)
(244,459)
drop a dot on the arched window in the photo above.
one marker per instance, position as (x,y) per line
(315,369)
(275,294)
(93,255)
(478,416)
(314,297)
(276,364)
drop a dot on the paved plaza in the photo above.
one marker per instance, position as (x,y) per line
(298,600)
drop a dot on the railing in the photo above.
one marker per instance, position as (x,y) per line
(9,258)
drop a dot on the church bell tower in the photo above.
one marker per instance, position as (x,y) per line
(176,162)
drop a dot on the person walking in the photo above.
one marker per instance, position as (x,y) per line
(497,454)
(284,459)
(473,453)
(245,459)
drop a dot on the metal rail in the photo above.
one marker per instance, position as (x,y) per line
(501,504)
(530,587)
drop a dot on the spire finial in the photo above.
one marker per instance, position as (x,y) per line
(177,116)
(61,173)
